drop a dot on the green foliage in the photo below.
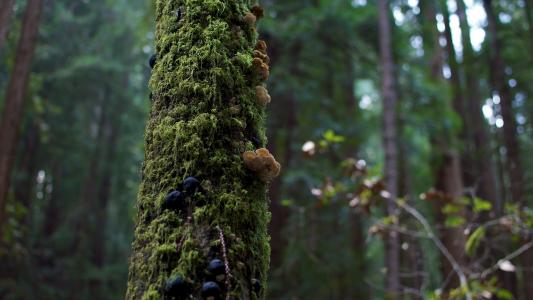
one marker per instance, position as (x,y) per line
(474,240)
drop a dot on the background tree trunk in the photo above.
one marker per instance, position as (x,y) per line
(15,96)
(390,99)
(484,174)
(510,134)
(6,10)
(448,171)
(199,73)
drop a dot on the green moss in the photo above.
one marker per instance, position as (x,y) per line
(204,68)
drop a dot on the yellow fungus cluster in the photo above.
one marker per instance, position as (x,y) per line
(262,163)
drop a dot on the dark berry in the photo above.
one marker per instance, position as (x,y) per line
(152,61)
(176,200)
(178,13)
(256,286)
(256,142)
(191,185)
(211,290)
(177,288)
(217,269)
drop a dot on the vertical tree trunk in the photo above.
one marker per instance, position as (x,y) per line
(500,85)
(205,66)
(448,171)
(510,135)
(100,203)
(25,187)
(449,182)
(6,10)
(390,98)
(484,175)
(15,96)
(284,125)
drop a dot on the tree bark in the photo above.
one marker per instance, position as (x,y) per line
(6,11)
(500,86)
(510,135)
(448,171)
(15,96)
(484,174)
(205,64)
(390,99)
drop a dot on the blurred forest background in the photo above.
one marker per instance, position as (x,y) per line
(430,95)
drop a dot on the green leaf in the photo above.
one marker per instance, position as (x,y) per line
(331,137)
(287,202)
(481,205)
(504,294)
(454,221)
(451,209)
(474,240)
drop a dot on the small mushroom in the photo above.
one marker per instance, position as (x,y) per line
(258,11)
(250,19)
(261,46)
(262,163)
(260,68)
(261,96)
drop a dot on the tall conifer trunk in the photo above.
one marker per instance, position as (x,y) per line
(510,134)
(206,112)
(6,11)
(484,173)
(447,171)
(15,96)
(390,99)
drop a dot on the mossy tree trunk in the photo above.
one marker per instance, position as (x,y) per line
(204,116)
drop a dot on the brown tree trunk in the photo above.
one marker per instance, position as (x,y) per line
(6,10)
(448,173)
(500,86)
(484,174)
(284,108)
(15,96)
(390,98)
(100,203)
(510,135)
(450,184)
(28,166)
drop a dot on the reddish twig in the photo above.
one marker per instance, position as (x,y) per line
(226,264)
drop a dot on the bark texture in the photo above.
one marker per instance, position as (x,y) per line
(6,11)
(510,133)
(15,96)
(390,99)
(483,173)
(448,171)
(204,115)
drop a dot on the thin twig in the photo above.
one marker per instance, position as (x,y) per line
(509,257)
(455,265)
(226,264)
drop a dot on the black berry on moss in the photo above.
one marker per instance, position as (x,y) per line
(175,200)
(152,61)
(177,288)
(256,286)
(191,185)
(211,291)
